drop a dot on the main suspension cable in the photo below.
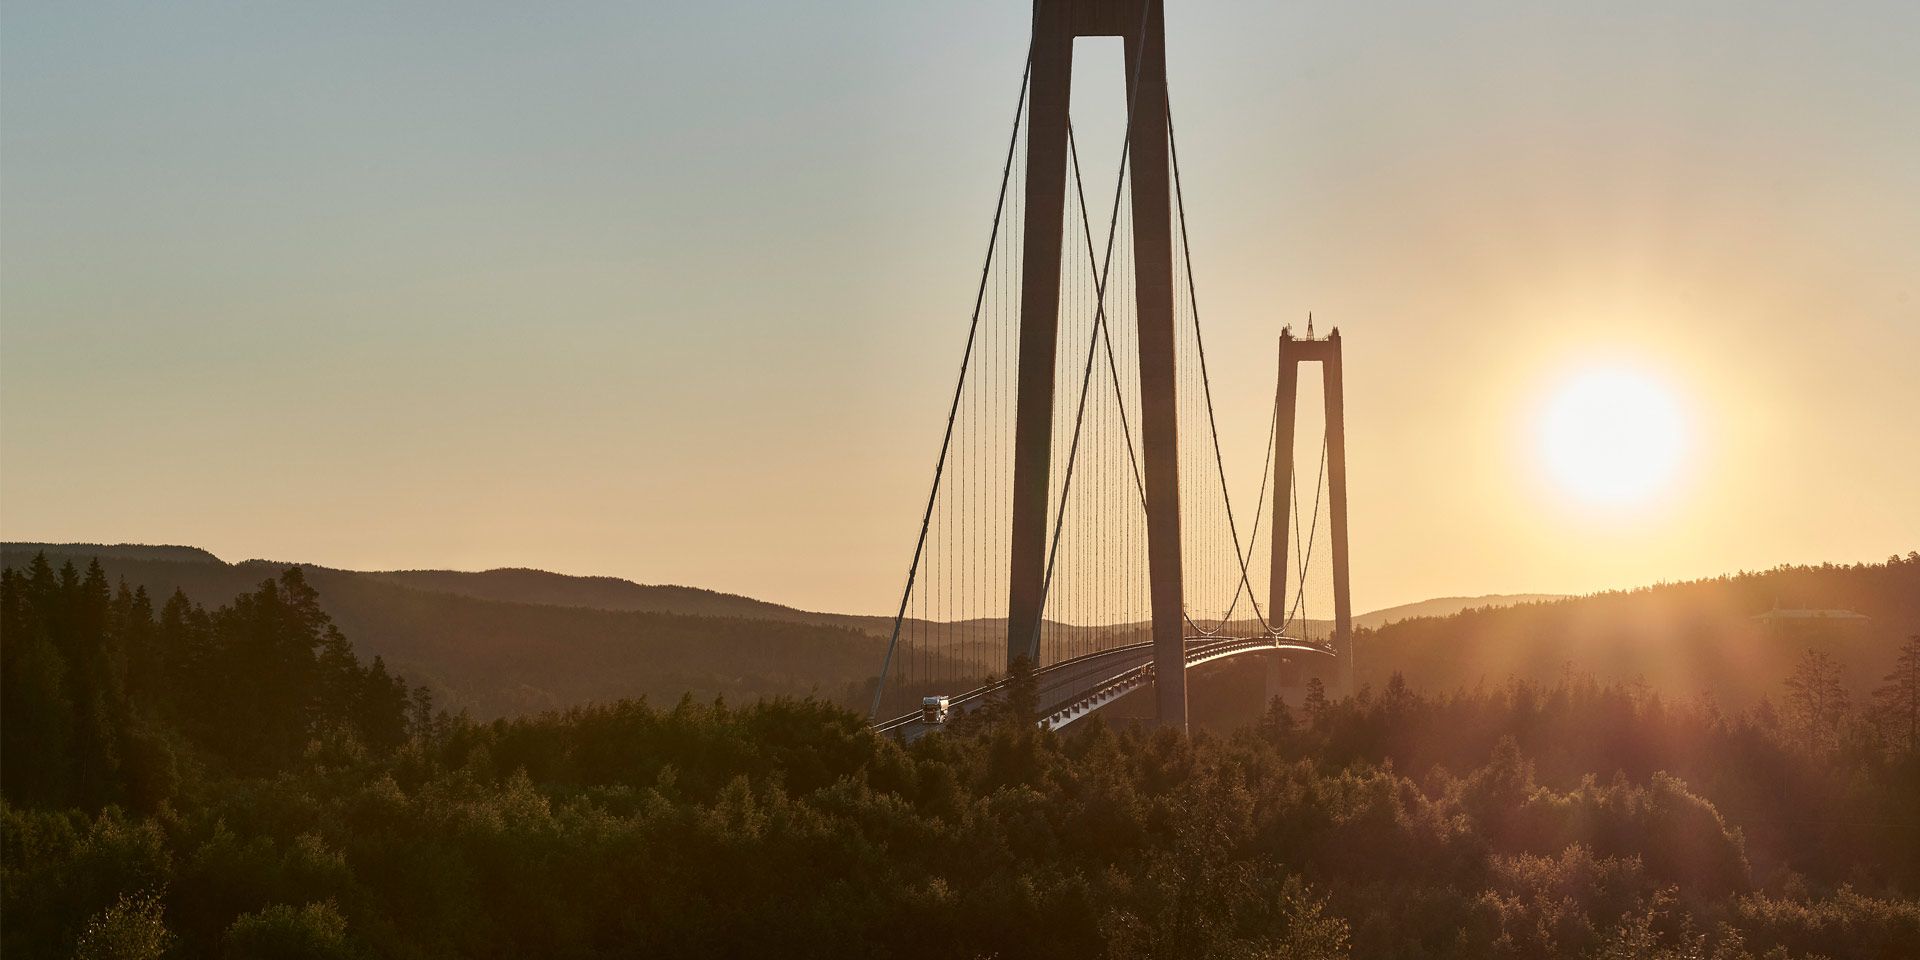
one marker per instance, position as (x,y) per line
(1106,337)
(1259,510)
(1306,553)
(1206,385)
(953,410)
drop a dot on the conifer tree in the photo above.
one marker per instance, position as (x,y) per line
(1898,702)
(1816,700)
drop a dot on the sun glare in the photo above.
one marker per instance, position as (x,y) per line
(1612,436)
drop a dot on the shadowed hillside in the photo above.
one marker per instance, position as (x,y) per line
(497,658)
(521,585)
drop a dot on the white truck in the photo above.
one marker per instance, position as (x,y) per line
(933,710)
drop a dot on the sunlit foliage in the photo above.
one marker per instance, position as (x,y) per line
(1572,820)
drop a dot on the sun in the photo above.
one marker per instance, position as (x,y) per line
(1612,436)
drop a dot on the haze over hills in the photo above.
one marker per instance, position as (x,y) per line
(518,585)
(1713,636)
(510,641)
(526,585)
(1448,606)
(523,585)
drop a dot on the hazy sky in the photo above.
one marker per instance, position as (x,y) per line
(673,291)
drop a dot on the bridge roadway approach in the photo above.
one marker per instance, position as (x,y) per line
(1072,689)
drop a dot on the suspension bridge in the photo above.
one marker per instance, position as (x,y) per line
(1079,527)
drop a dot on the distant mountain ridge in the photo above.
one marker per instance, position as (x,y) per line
(514,640)
(118,551)
(1686,638)
(484,642)
(527,585)
(546,588)
(1448,606)
(509,641)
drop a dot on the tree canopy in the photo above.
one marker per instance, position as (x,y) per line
(234,782)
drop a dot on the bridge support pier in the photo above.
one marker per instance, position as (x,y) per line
(1140,24)
(1326,351)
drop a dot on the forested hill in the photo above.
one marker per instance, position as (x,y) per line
(508,642)
(1447,606)
(110,551)
(496,657)
(521,585)
(1680,638)
(514,585)
(181,781)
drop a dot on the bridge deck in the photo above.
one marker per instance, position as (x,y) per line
(1072,689)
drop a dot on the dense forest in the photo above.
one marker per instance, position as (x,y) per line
(106,702)
(233,782)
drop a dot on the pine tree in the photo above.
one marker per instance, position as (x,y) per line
(36,712)
(1816,700)
(420,718)
(1277,724)
(379,705)
(1316,702)
(1898,702)
(188,692)
(97,686)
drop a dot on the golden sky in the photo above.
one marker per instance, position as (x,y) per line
(674,291)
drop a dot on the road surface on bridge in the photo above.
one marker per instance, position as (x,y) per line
(1071,689)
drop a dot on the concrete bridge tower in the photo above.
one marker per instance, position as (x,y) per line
(1289,679)
(1141,27)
